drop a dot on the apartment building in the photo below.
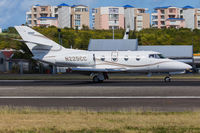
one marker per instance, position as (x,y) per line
(80,16)
(166,17)
(197,18)
(64,16)
(47,21)
(120,17)
(60,16)
(36,12)
(108,18)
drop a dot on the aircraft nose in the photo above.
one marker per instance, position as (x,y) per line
(184,66)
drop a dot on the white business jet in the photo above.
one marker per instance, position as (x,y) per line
(98,63)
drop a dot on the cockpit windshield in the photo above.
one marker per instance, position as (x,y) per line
(156,56)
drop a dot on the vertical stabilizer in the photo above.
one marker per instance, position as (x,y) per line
(38,44)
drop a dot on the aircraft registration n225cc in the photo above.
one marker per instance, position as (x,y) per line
(98,63)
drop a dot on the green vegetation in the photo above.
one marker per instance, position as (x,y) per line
(75,76)
(80,38)
(32,120)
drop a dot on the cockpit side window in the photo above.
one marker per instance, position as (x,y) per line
(151,56)
(156,56)
(161,56)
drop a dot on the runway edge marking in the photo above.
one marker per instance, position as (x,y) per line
(99,97)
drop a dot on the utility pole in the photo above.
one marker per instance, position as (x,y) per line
(59,36)
(115,21)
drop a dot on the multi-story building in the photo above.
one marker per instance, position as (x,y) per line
(80,16)
(47,21)
(108,18)
(197,18)
(64,16)
(165,17)
(36,12)
(60,16)
(136,18)
(120,17)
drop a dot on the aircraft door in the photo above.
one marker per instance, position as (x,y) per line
(114,56)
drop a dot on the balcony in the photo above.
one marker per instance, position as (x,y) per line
(155,19)
(154,25)
(114,23)
(154,14)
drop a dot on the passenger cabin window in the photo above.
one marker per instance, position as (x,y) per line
(156,56)
(114,59)
(126,58)
(103,58)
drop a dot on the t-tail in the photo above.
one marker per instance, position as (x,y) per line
(38,44)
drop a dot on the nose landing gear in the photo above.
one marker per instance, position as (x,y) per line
(167,79)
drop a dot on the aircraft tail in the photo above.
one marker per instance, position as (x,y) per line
(38,44)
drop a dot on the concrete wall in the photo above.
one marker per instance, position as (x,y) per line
(188,15)
(64,17)
(129,16)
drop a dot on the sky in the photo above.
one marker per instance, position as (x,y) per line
(13,12)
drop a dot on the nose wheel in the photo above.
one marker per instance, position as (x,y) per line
(167,79)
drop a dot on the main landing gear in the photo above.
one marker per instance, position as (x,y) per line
(167,79)
(99,77)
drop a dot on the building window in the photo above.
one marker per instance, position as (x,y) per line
(172,10)
(140,17)
(115,27)
(113,17)
(199,23)
(43,15)
(140,24)
(162,11)
(113,10)
(77,9)
(162,17)
(56,10)
(77,16)
(77,23)
(43,9)
(35,9)
(140,11)
(162,22)
(172,16)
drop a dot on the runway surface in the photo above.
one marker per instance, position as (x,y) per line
(156,95)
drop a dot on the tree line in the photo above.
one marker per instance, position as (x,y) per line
(79,39)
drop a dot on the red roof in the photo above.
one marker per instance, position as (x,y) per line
(8,54)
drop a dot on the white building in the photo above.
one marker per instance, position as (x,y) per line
(188,14)
(64,16)
(0,30)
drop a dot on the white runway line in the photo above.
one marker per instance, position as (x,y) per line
(99,97)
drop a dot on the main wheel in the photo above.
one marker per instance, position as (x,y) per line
(167,79)
(95,79)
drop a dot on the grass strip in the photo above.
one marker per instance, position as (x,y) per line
(34,120)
